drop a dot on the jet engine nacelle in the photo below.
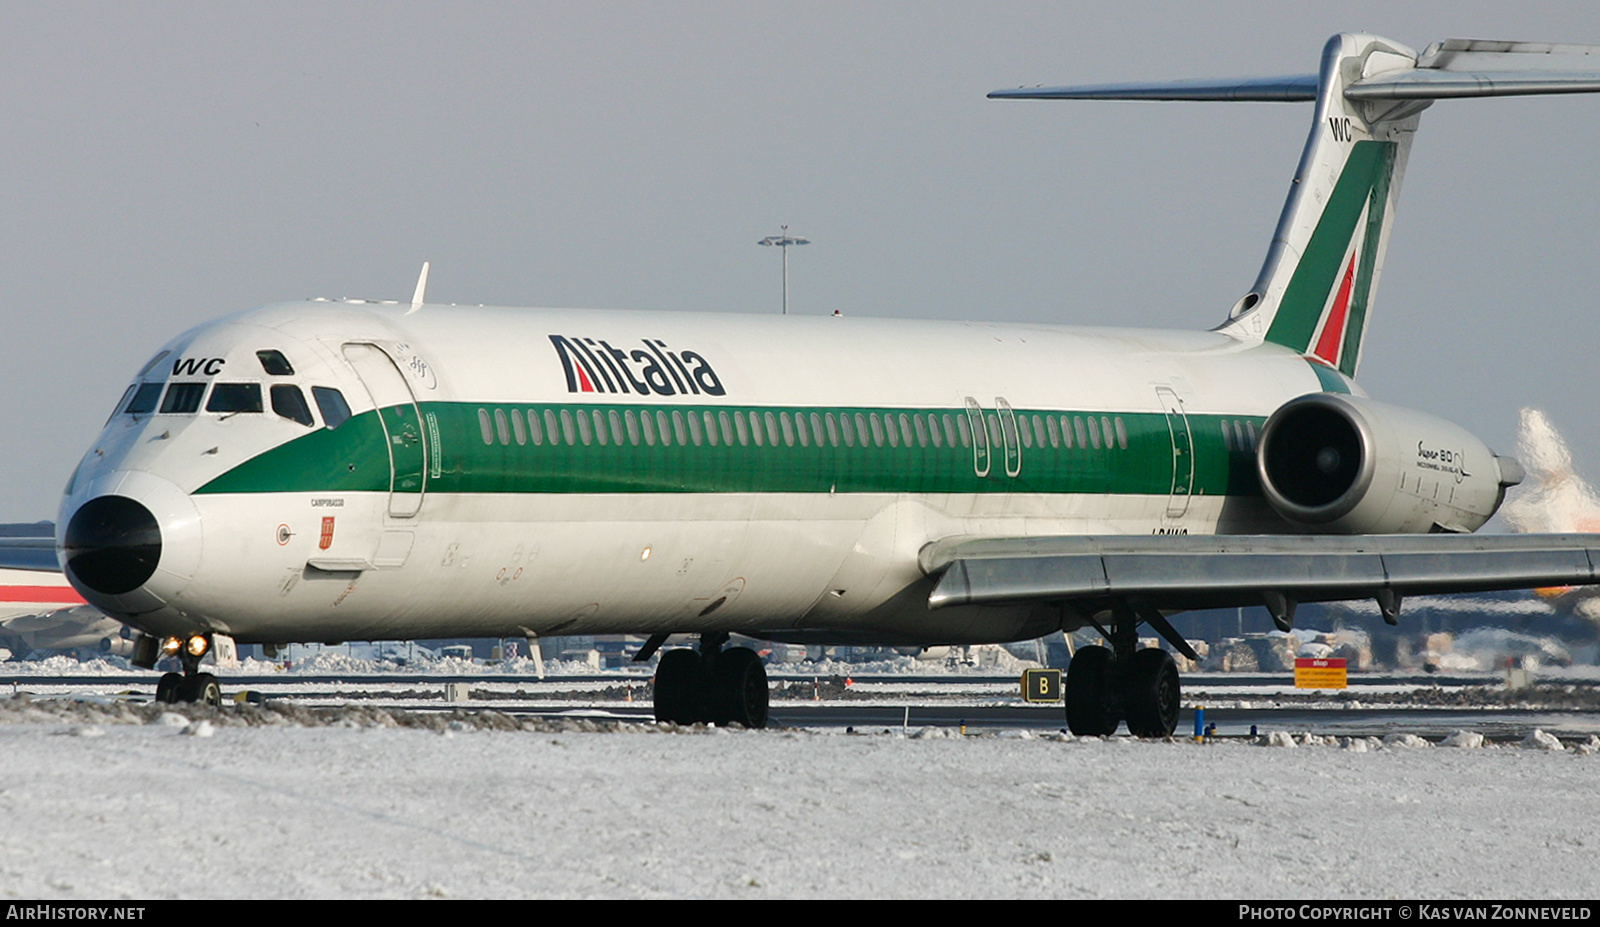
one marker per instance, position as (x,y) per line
(1348,465)
(116,647)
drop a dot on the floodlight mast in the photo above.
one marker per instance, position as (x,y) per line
(784,241)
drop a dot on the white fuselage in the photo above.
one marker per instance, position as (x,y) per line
(462,513)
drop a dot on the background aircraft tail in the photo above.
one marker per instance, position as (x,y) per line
(1316,288)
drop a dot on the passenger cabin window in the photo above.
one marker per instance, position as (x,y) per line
(275,364)
(182,398)
(330,402)
(233,398)
(290,403)
(144,399)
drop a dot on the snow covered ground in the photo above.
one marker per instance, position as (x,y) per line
(117,800)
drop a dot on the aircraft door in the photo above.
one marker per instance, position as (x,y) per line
(1182,452)
(980,437)
(1009,437)
(402,426)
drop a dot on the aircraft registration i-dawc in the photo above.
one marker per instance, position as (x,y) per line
(330,471)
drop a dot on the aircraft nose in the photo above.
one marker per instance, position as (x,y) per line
(112,544)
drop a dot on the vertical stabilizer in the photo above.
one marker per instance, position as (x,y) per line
(1316,288)
(1315,291)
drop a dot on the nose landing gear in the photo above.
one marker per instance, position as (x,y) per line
(201,687)
(191,685)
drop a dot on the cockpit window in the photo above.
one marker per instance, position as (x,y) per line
(335,411)
(182,398)
(121,403)
(290,403)
(235,397)
(275,364)
(144,399)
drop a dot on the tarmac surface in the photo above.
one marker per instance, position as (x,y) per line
(1233,705)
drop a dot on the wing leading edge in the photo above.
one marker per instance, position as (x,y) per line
(1225,571)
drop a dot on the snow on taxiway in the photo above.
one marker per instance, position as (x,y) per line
(123,801)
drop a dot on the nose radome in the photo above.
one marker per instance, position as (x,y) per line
(112,544)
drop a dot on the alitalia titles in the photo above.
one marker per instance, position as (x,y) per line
(596,366)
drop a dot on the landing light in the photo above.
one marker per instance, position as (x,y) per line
(197,645)
(170,645)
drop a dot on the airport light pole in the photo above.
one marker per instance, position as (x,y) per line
(784,241)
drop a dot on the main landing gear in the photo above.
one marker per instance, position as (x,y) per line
(710,685)
(1106,686)
(191,685)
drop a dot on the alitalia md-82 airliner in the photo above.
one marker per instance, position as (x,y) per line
(332,471)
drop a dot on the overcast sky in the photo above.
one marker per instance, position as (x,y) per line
(163,164)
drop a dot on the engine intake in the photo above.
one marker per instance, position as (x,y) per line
(1349,465)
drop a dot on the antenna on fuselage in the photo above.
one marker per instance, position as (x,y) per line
(422,288)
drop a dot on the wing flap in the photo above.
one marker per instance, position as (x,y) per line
(1225,571)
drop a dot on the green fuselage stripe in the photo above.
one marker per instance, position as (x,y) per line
(354,457)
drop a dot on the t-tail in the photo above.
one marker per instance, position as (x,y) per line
(1316,288)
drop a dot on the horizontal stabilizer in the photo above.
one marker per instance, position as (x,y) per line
(1299,89)
(1458,68)
(1227,571)
(1444,85)
(1316,288)
(1452,69)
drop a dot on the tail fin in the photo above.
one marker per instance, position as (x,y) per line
(1315,290)
(1320,275)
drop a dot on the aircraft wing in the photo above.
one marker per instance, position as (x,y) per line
(39,611)
(1225,571)
(65,628)
(29,547)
